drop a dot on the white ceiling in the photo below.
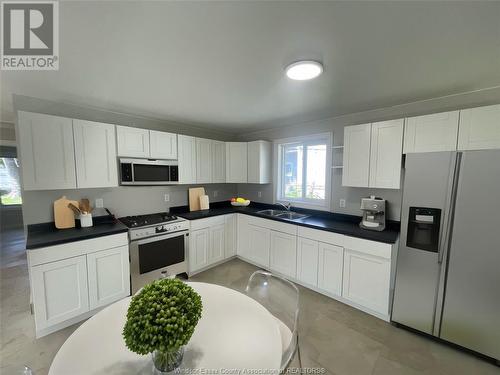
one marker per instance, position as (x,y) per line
(220,64)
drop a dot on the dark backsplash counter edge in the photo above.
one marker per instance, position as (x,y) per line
(322,220)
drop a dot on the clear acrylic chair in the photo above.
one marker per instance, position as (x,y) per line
(281,298)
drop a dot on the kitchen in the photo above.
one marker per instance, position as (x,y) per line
(371,214)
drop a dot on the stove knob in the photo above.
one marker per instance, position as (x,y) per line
(165,227)
(159,228)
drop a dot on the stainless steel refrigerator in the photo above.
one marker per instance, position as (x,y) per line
(448,268)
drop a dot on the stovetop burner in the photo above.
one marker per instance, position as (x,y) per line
(145,220)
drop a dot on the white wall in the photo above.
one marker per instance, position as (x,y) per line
(121,201)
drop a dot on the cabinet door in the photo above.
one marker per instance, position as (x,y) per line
(217,243)
(108,276)
(46,151)
(283,253)
(59,291)
(330,266)
(258,245)
(199,243)
(132,142)
(366,280)
(259,162)
(307,261)
(187,159)
(230,235)
(203,161)
(162,145)
(431,133)
(479,128)
(218,162)
(242,239)
(236,162)
(95,154)
(356,155)
(386,154)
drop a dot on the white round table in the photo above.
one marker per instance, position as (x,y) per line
(234,332)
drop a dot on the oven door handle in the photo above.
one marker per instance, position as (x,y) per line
(160,237)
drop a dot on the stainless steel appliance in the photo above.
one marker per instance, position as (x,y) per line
(373,213)
(158,247)
(448,267)
(148,172)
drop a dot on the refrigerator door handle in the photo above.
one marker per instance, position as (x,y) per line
(446,243)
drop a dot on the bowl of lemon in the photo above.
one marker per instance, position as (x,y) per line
(240,202)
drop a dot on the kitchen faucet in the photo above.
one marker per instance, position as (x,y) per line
(286,205)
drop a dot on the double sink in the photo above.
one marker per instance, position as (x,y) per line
(288,215)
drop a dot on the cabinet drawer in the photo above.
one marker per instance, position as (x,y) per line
(374,248)
(273,225)
(321,235)
(73,249)
(207,223)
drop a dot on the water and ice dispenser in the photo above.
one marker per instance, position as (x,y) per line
(423,228)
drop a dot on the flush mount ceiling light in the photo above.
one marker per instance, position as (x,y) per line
(304,70)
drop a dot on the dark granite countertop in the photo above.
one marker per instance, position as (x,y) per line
(46,234)
(328,221)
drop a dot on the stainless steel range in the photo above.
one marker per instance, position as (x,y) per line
(158,247)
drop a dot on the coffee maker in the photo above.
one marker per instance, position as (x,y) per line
(373,213)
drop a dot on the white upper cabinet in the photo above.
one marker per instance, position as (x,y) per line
(431,133)
(187,159)
(236,162)
(203,161)
(162,145)
(46,151)
(386,154)
(132,142)
(95,154)
(373,154)
(479,128)
(356,155)
(259,162)
(218,162)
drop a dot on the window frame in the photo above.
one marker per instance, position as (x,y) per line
(279,170)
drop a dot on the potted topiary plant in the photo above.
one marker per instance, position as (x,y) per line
(161,319)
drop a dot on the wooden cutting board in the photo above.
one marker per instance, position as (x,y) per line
(63,215)
(194,198)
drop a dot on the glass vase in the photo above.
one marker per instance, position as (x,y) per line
(167,362)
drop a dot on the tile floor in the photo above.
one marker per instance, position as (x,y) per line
(333,336)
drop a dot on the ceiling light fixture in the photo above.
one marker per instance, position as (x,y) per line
(304,70)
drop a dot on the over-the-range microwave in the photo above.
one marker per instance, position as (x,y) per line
(148,172)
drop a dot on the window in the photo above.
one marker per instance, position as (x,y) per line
(10,188)
(304,171)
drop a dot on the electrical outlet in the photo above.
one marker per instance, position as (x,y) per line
(259,194)
(216,193)
(342,203)
(167,197)
(99,203)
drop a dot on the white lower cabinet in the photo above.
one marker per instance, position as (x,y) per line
(108,276)
(283,253)
(330,268)
(259,243)
(366,280)
(307,261)
(211,240)
(70,281)
(59,291)
(217,244)
(199,242)
(230,222)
